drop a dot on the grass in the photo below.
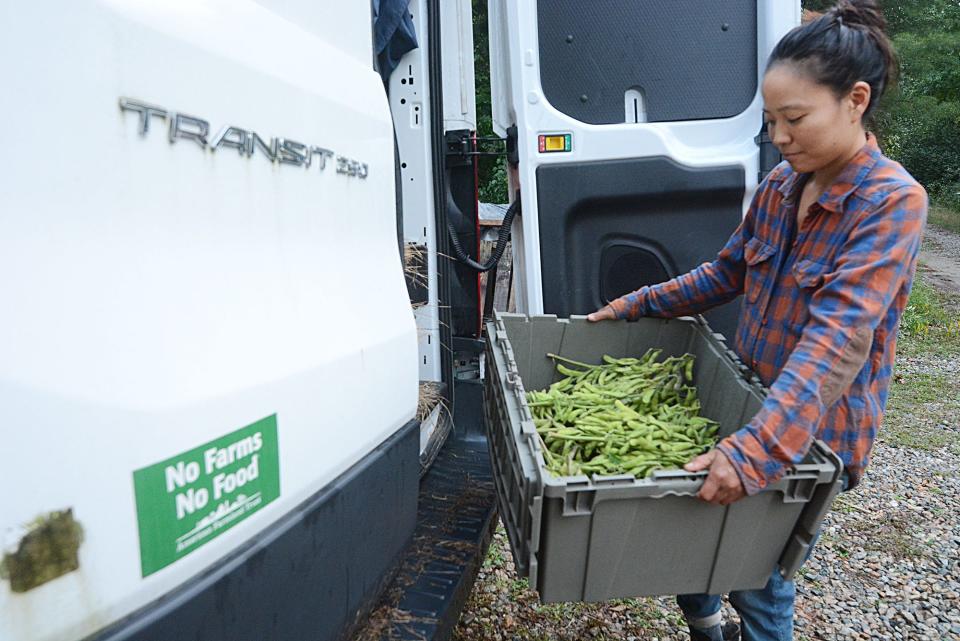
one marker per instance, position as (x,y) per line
(923,405)
(883,531)
(919,409)
(930,323)
(945,217)
(495,554)
(924,389)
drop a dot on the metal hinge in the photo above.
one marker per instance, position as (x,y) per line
(462,145)
(769,156)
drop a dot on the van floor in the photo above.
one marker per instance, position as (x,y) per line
(456,519)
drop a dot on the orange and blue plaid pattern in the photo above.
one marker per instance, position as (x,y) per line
(808,293)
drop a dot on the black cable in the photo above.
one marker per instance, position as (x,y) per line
(490,293)
(501,245)
(444,268)
(510,283)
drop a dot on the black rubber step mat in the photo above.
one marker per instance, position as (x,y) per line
(455,520)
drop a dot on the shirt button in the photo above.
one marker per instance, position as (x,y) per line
(763,322)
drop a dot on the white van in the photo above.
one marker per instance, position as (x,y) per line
(210,363)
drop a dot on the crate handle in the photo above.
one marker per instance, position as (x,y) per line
(678,482)
(800,490)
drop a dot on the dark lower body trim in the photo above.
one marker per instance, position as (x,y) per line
(308,575)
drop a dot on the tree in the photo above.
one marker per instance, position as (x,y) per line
(492,172)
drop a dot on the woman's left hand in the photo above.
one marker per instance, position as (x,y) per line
(723,485)
(604,313)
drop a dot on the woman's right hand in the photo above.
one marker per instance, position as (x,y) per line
(604,313)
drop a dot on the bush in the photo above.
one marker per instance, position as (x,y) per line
(922,133)
(492,171)
(918,123)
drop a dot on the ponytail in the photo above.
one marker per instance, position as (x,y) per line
(845,45)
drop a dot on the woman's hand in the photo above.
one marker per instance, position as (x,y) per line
(604,313)
(723,485)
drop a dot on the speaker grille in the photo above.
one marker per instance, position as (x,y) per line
(624,268)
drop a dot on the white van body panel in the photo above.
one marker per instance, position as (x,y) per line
(410,105)
(411,108)
(159,295)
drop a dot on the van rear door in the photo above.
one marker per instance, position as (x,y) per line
(637,129)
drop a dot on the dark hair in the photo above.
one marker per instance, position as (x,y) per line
(845,45)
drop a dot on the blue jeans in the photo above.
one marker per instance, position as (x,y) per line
(765,615)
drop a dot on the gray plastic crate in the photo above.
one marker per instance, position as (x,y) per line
(596,538)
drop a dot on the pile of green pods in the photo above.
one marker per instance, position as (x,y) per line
(624,416)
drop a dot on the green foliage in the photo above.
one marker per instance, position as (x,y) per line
(909,15)
(924,310)
(918,123)
(493,182)
(817,5)
(921,16)
(923,134)
(931,321)
(492,173)
(945,217)
(930,64)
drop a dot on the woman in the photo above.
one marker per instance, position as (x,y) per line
(825,258)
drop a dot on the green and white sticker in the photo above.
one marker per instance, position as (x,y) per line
(189,499)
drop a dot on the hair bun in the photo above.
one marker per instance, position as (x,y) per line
(865,13)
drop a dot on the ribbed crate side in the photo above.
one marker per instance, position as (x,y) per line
(503,455)
(546,337)
(729,398)
(517,465)
(514,332)
(753,406)
(829,469)
(645,546)
(588,342)
(563,554)
(644,335)
(753,539)
(707,369)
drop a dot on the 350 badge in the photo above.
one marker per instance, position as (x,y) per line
(181,126)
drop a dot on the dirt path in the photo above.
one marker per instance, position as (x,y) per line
(941,255)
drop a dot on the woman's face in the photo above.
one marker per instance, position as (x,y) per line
(808,124)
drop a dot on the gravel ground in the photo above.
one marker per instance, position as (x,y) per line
(888,562)
(941,242)
(941,251)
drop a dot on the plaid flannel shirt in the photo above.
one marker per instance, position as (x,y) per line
(821,310)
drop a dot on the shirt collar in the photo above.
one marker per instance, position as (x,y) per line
(843,185)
